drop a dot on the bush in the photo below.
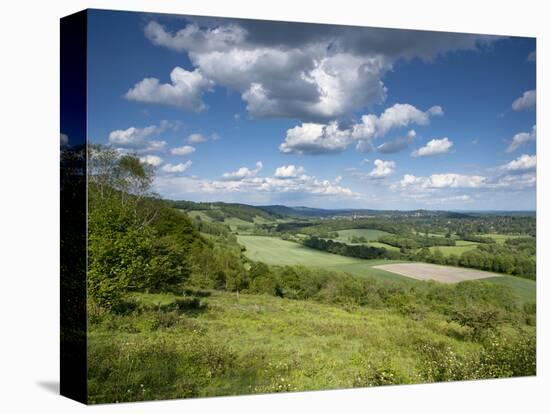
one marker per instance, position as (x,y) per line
(505,357)
(163,320)
(379,374)
(440,362)
(480,322)
(197,292)
(185,304)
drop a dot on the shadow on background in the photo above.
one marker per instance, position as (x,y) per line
(51,386)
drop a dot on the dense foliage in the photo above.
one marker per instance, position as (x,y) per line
(359,251)
(510,258)
(411,242)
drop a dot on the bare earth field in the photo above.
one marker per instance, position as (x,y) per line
(443,274)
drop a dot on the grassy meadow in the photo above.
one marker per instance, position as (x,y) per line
(245,344)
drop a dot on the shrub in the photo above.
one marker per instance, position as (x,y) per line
(440,362)
(505,357)
(197,292)
(163,320)
(187,304)
(479,321)
(379,374)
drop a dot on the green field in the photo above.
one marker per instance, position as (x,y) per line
(383,245)
(237,224)
(199,214)
(275,251)
(369,234)
(457,250)
(500,238)
(525,289)
(255,344)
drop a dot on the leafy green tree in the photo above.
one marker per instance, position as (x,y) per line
(126,252)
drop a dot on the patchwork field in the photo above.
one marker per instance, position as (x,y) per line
(444,274)
(275,251)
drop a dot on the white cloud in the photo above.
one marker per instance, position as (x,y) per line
(447,180)
(364,146)
(138,139)
(131,137)
(434,147)
(266,187)
(154,160)
(243,172)
(64,139)
(315,138)
(153,146)
(518,175)
(289,171)
(184,90)
(517,180)
(176,168)
(382,169)
(196,138)
(307,74)
(522,138)
(523,163)
(185,150)
(525,102)
(396,116)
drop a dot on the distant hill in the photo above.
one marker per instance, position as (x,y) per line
(319,212)
(220,210)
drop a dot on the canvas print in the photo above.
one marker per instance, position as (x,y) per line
(259,206)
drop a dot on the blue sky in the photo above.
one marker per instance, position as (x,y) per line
(316,115)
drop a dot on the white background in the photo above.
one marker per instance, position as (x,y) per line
(29,224)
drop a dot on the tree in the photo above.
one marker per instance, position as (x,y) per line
(479,321)
(126,252)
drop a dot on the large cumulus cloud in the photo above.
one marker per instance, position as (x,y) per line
(301,71)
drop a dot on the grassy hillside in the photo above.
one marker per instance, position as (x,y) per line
(256,344)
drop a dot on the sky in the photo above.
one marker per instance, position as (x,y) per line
(325,116)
